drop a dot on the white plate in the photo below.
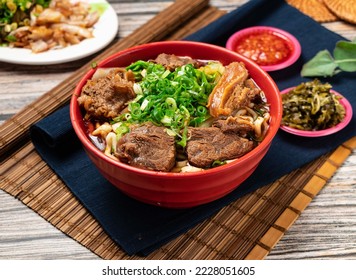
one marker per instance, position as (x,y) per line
(104,32)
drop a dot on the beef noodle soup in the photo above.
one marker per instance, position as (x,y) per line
(174,114)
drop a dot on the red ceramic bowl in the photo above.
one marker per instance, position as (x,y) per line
(179,190)
(282,41)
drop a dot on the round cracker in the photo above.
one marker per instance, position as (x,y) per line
(315,9)
(344,9)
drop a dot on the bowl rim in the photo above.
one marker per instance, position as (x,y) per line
(74,108)
(324,132)
(293,41)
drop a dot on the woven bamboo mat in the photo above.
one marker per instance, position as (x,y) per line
(246,229)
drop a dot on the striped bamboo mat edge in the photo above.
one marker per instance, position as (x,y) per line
(292,211)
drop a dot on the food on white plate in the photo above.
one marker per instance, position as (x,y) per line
(174,114)
(312,106)
(42,25)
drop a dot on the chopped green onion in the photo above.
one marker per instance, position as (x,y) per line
(94,64)
(174,99)
(217,163)
(121,130)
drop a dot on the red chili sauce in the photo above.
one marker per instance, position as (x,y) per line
(264,48)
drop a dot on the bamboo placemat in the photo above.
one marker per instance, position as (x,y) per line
(245,229)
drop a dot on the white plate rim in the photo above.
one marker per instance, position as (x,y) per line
(102,37)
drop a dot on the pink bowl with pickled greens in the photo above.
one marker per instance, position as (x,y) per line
(179,190)
(327,131)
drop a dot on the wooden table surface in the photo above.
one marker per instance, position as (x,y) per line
(325,230)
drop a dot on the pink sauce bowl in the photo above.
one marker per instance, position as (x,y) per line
(281,39)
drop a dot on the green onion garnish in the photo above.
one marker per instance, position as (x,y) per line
(174,99)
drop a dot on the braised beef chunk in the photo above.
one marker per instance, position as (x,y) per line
(254,94)
(148,147)
(208,144)
(106,97)
(171,61)
(237,125)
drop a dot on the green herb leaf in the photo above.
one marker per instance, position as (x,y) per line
(345,55)
(322,64)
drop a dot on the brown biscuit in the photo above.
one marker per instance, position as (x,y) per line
(315,9)
(345,10)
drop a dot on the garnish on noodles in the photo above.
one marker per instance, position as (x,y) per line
(312,106)
(174,114)
(174,99)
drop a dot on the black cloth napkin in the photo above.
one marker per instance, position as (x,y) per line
(140,228)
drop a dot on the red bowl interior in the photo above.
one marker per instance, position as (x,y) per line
(179,190)
(292,42)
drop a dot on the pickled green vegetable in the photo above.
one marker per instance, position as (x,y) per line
(312,106)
